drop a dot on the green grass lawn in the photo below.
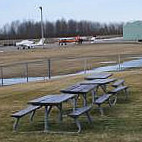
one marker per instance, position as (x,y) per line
(121,123)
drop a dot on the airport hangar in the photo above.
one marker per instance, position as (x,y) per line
(132,31)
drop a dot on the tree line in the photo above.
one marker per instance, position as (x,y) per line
(60,28)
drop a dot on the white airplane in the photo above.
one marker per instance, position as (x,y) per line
(93,39)
(107,40)
(29,44)
(24,43)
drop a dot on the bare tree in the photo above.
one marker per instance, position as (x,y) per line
(30,29)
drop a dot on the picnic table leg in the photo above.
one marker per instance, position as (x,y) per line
(112,100)
(126,93)
(78,125)
(97,88)
(93,96)
(88,116)
(101,109)
(32,115)
(60,113)
(47,111)
(104,88)
(84,99)
(75,102)
(16,124)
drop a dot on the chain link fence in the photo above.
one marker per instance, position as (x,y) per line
(53,67)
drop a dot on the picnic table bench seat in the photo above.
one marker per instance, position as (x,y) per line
(102,99)
(80,111)
(119,82)
(120,89)
(30,109)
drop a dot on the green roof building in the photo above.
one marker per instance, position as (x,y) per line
(133,31)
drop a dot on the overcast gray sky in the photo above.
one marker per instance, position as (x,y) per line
(93,10)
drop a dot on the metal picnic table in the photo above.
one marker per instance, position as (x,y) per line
(82,89)
(100,83)
(102,75)
(48,102)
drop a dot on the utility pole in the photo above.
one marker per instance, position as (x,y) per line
(42,34)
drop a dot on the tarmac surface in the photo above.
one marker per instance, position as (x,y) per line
(56,44)
(14,48)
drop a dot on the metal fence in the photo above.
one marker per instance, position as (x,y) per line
(57,67)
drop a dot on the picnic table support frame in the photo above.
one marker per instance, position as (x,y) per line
(97,89)
(78,125)
(101,110)
(32,115)
(46,121)
(88,117)
(60,118)
(93,96)
(80,111)
(112,100)
(16,124)
(104,88)
(126,93)
(75,102)
(47,111)
(84,99)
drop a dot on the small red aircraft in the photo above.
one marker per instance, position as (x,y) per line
(64,41)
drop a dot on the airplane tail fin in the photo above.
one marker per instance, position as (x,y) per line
(41,42)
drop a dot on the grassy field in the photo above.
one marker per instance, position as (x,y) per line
(121,123)
(101,52)
(70,51)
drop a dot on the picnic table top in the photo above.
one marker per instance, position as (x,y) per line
(102,75)
(99,81)
(79,88)
(52,99)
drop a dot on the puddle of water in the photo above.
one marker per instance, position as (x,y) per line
(10,81)
(123,66)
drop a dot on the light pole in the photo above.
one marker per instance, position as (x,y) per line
(42,34)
